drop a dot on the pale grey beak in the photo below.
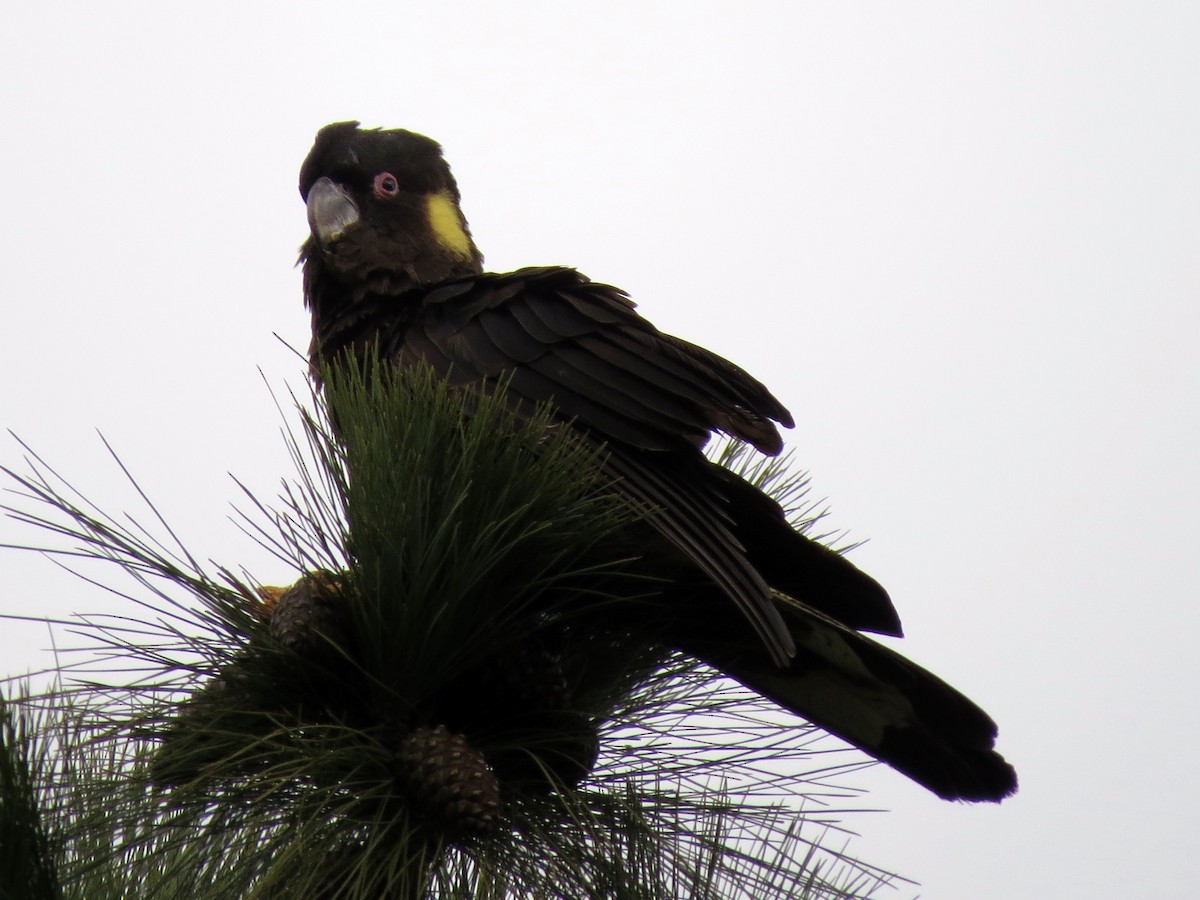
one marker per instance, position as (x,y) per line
(330,210)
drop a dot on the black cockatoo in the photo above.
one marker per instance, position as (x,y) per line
(390,263)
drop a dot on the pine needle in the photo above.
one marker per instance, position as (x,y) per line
(450,634)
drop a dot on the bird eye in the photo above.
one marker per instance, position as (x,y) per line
(386,185)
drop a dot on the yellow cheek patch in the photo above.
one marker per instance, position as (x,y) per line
(446,222)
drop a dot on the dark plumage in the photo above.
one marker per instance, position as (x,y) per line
(390,262)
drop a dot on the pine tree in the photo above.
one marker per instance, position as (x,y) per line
(453,698)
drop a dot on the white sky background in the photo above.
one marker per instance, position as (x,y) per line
(960,241)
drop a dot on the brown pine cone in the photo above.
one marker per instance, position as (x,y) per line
(448,779)
(307,616)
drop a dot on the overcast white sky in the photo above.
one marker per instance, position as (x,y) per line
(960,240)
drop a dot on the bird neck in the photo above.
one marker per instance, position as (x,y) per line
(340,305)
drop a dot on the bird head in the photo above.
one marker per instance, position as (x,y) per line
(383,209)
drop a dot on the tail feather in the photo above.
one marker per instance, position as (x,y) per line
(803,568)
(877,700)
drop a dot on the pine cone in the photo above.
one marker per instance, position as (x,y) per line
(448,779)
(307,616)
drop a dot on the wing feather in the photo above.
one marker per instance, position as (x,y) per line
(694,521)
(652,400)
(605,362)
(581,346)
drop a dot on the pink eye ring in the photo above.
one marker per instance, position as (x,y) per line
(386,185)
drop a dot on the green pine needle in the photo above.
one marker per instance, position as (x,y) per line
(472,562)
(27,863)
